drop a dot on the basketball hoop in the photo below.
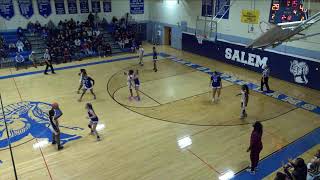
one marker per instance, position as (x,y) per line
(200,38)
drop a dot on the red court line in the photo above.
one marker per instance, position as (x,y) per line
(44,159)
(211,167)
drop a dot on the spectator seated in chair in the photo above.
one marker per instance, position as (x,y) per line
(296,170)
(314,167)
(19,59)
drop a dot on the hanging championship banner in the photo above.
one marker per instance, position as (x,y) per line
(59,4)
(6,9)
(84,6)
(106,5)
(95,6)
(250,16)
(136,6)
(222,9)
(207,8)
(72,7)
(26,8)
(44,7)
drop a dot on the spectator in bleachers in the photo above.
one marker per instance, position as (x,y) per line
(19,59)
(20,46)
(44,34)
(12,47)
(296,170)
(33,59)
(31,28)
(37,27)
(281,176)
(108,49)
(314,167)
(121,43)
(27,44)
(19,32)
(66,55)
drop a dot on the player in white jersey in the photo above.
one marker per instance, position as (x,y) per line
(244,100)
(141,53)
(133,82)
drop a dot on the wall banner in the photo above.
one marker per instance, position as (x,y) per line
(44,7)
(84,6)
(136,6)
(95,6)
(207,8)
(26,8)
(106,5)
(6,9)
(72,7)
(60,9)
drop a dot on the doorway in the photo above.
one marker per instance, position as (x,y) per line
(167,35)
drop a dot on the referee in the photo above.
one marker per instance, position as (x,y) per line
(47,59)
(265,77)
(54,114)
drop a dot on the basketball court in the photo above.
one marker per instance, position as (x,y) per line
(176,131)
(141,140)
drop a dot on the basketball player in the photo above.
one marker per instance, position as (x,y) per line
(130,82)
(141,52)
(216,84)
(54,114)
(244,100)
(93,120)
(48,61)
(136,84)
(265,78)
(155,59)
(88,84)
(81,79)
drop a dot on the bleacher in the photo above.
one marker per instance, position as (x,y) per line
(11,37)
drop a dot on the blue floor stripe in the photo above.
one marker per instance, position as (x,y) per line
(274,161)
(71,66)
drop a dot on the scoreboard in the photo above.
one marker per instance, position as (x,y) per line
(287,11)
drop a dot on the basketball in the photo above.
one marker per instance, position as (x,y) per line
(55,105)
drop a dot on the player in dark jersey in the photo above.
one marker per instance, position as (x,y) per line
(81,79)
(88,84)
(155,58)
(216,85)
(54,114)
(136,84)
(93,120)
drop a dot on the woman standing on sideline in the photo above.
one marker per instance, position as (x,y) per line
(255,146)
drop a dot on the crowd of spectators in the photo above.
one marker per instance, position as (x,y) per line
(124,34)
(73,40)
(299,170)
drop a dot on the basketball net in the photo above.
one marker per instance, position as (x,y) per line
(200,38)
